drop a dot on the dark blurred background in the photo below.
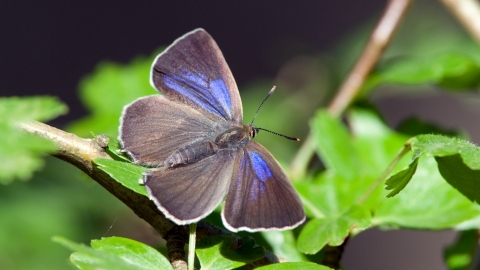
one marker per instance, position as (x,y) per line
(47,47)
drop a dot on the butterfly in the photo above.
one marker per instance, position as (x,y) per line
(197,148)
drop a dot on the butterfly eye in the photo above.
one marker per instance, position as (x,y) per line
(253,133)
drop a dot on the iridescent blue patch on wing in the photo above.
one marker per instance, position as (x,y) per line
(256,188)
(260,166)
(211,95)
(241,170)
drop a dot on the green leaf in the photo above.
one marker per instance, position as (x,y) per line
(332,197)
(294,266)
(23,109)
(458,161)
(114,253)
(114,151)
(451,70)
(334,145)
(20,152)
(284,244)
(107,90)
(125,173)
(399,181)
(223,252)
(332,230)
(461,177)
(427,202)
(141,256)
(440,146)
(460,255)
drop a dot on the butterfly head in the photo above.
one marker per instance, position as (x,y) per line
(251,130)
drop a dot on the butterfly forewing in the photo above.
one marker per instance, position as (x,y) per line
(260,197)
(193,71)
(153,127)
(189,193)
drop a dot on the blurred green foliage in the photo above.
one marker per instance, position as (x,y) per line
(110,87)
(59,200)
(21,153)
(461,254)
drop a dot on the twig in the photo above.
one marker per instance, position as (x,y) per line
(175,244)
(379,39)
(81,153)
(468,13)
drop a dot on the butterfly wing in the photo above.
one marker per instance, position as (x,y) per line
(153,127)
(193,71)
(188,194)
(260,197)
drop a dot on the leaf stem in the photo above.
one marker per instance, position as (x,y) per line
(379,39)
(191,246)
(405,149)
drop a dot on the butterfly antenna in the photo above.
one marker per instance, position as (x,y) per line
(281,135)
(261,104)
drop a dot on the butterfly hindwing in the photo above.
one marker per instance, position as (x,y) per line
(187,194)
(153,127)
(260,197)
(193,71)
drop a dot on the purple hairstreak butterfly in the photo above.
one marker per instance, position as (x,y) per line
(199,152)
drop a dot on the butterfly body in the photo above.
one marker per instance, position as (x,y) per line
(229,140)
(200,151)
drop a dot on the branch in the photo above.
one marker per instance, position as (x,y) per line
(468,13)
(379,39)
(81,153)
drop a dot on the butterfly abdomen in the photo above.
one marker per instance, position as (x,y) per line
(191,154)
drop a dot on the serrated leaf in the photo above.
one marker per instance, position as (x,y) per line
(460,255)
(294,266)
(332,230)
(440,146)
(222,252)
(427,202)
(114,253)
(399,181)
(458,161)
(20,152)
(125,173)
(107,90)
